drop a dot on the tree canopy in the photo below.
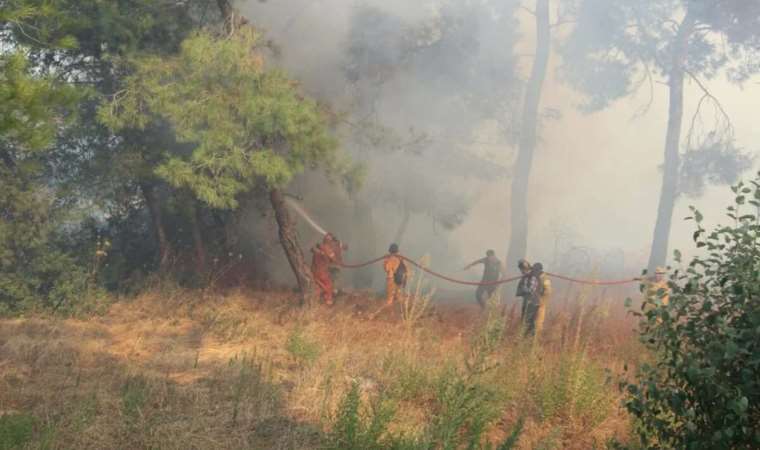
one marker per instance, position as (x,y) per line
(245,124)
(33,110)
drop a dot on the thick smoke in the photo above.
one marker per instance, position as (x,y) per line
(425,94)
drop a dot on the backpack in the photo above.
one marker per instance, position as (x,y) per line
(541,285)
(399,276)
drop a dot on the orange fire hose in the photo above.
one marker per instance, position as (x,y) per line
(488,283)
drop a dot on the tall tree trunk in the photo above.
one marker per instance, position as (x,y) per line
(402,227)
(198,243)
(154,208)
(518,242)
(289,242)
(669,191)
(364,235)
(226,222)
(287,232)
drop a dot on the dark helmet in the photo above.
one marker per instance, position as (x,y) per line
(393,248)
(537,268)
(490,253)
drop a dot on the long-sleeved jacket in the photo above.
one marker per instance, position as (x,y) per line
(390,265)
(534,286)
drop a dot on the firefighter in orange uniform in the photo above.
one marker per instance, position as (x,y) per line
(322,258)
(337,248)
(395,274)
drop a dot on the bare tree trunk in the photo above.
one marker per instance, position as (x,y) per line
(402,226)
(365,237)
(232,19)
(287,232)
(289,242)
(669,191)
(200,247)
(518,242)
(154,208)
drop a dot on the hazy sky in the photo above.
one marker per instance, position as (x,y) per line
(599,173)
(595,175)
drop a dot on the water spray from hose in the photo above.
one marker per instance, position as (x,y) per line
(302,212)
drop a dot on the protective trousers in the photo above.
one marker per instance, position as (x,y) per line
(392,290)
(325,285)
(535,312)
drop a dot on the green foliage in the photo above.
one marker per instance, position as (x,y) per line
(463,411)
(514,436)
(33,110)
(245,123)
(358,428)
(488,338)
(409,379)
(576,388)
(704,390)
(98,27)
(618,47)
(300,347)
(616,44)
(15,430)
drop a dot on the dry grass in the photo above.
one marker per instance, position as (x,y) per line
(246,370)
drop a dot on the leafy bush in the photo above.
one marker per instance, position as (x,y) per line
(34,109)
(704,390)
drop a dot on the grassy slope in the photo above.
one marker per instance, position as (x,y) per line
(180,370)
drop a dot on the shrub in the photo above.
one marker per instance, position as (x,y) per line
(459,419)
(703,392)
(464,410)
(407,378)
(575,388)
(489,337)
(357,428)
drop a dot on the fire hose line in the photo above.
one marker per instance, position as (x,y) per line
(488,283)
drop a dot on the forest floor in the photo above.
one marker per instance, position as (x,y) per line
(178,369)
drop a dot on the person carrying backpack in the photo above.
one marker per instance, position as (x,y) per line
(539,289)
(396,274)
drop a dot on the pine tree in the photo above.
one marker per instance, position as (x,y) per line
(33,109)
(247,125)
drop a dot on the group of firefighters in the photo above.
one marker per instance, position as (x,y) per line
(534,287)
